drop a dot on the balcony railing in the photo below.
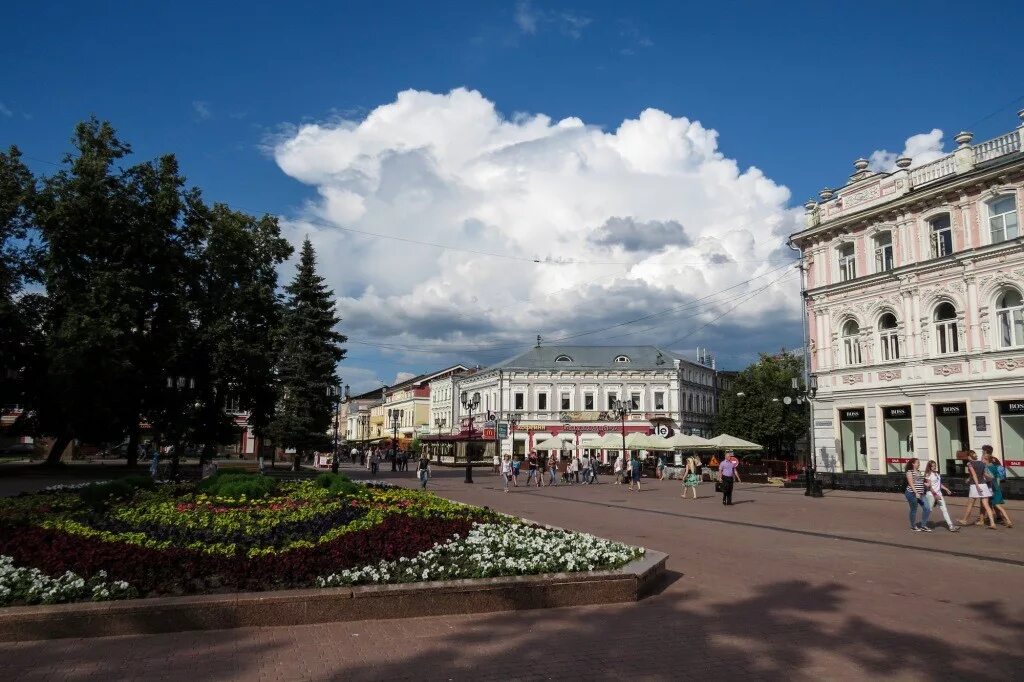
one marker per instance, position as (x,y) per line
(1000,146)
(930,172)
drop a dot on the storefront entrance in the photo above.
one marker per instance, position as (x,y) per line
(1011,431)
(951,436)
(853,439)
(898,434)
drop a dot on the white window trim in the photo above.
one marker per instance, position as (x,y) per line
(991,216)
(880,251)
(1001,315)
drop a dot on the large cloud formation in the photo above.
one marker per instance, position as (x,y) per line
(575,228)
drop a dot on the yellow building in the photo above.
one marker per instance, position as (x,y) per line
(405,412)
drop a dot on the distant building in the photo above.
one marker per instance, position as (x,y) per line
(407,406)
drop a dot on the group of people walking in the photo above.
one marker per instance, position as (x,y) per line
(549,471)
(925,492)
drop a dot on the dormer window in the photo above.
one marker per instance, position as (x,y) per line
(941,235)
(622,359)
(847,263)
(563,358)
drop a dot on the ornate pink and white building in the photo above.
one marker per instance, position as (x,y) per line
(914,293)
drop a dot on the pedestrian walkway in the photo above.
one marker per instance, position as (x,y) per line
(776,587)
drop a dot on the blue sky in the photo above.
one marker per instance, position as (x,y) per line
(798,90)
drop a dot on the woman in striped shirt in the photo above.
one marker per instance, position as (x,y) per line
(915,498)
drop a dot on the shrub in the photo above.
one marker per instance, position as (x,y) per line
(339,484)
(98,495)
(326,480)
(235,485)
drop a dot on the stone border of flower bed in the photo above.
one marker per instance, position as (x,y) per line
(302,607)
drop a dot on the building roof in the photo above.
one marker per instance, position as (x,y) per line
(375,394)
(425,378)
(591,357)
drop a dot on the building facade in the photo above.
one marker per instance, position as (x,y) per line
(442,402)
(354,414)
(914,295)
(553,390)
(408,405)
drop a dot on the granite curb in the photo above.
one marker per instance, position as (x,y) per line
(308,606)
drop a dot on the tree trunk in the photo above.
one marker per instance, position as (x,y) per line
(60,443)
(296,463)
(175,459)
(207,454)
(132,453)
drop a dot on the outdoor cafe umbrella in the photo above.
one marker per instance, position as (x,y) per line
(727,442)
(554,443)
(682,441)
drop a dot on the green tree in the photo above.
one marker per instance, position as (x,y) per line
(310,352)
(19,265)
(760,414)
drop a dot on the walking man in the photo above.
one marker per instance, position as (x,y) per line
(728,474)
(423,470)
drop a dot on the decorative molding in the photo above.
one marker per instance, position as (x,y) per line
(948,370)
(1010,364)
(890,375)
(853,379)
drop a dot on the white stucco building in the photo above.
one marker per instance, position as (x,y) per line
(556,389)
(914,293)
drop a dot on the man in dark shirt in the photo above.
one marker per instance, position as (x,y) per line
(978,488)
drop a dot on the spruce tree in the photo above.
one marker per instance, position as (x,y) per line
(310,352)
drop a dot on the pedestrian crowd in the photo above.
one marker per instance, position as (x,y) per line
(925,492)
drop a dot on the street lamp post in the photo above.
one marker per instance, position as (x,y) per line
(394,440)
(622,409)
(514,418)
(344,396)
(470,403)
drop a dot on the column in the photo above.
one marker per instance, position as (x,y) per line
(974,331)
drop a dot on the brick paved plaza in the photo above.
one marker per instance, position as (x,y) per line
(776,587)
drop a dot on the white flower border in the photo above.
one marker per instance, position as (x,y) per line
(32,586)
(491,550)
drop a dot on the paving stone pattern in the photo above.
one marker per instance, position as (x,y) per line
(776,587)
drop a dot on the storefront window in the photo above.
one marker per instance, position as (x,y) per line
(950,435)
(899,439)
(1011,429)
(853,439)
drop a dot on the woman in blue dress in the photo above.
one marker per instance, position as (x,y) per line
(998,472)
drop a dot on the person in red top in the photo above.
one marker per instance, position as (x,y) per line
(728,473)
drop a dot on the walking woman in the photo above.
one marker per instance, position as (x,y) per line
(915,498)
(553,468)
(933,497)
(979,490)
(634,472)
(506,472)
(692,478)
(617,468)
(998,472)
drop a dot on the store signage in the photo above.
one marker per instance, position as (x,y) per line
(1012,407)
(901,412)
(663,430)
(851,415)
(502,430)
(588,416)
(952,410)
(823,422)
(1013,462)
(897,460)
(490,432)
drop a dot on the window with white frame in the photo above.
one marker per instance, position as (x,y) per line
(883,251)
(946,339)
(519,400)
(542,401)
(612,397)
(563,359)
(889,337)
(588,401)
(622,359)
(851,343)
(659,400)
(565,401)
(847,263)
(941,231)
(1010,318)
(1002,218)
(634,399)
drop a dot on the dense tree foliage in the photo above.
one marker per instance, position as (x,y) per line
(154,308)
(760,414)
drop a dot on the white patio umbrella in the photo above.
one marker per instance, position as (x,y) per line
(554,443)
(609,441)
(681,441)
(727,442)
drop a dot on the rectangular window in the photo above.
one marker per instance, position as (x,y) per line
(542,401)
(883,252)
(942,236)
(634,400)
(565,401)
(890,345)
(946,336)
(1003,218)
(519,401)
(612,397)
(659,400)
(847,263)
(588,401)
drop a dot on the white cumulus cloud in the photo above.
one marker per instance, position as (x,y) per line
(603,211)
(920,149)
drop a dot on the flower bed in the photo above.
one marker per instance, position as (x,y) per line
(119,542)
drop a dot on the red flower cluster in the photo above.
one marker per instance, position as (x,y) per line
(181,571)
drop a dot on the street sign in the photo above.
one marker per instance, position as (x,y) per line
(502,430)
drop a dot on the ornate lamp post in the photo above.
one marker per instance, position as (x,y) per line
(622,409)
(470,403)
(338,397)
(514,419)
(394,440)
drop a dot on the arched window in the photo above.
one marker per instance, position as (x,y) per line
(563,358)
(1010,317)
(888,337)
(622,359)
(851,343)
(1002,218)
(847,263)
(941,235)
(883,251)
(946,339)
